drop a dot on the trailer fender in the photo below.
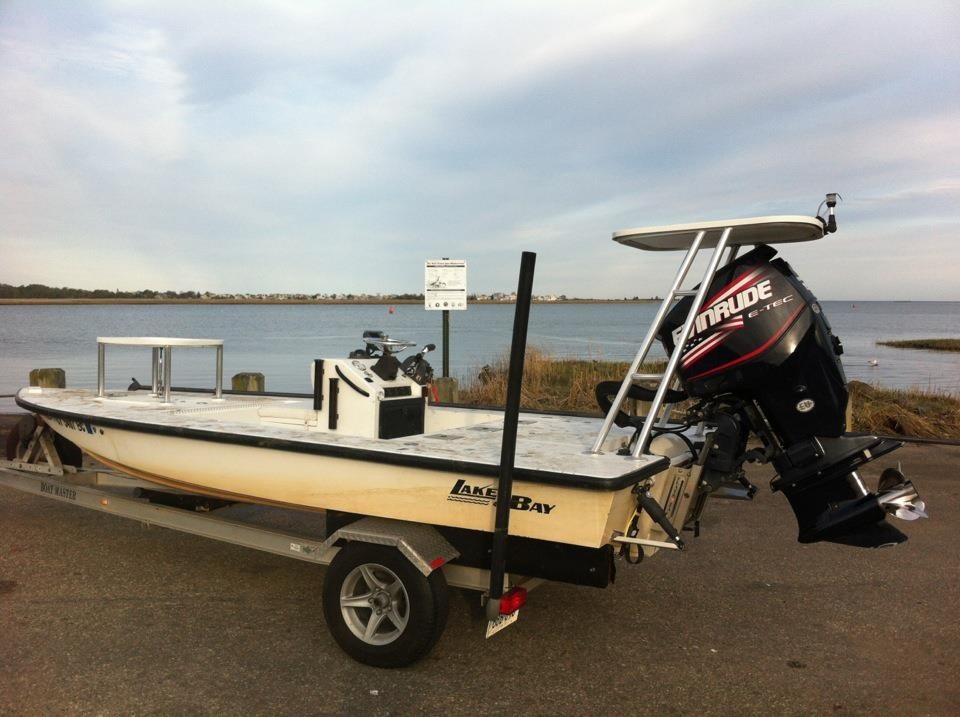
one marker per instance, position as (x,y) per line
(421,544)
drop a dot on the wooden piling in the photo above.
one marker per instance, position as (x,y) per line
(248,381)
(448,390)
(48,377)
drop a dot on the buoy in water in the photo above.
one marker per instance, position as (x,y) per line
(391,309)
(873,362)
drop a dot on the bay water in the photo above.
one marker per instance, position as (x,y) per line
(281,340)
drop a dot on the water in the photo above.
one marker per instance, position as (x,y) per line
(279,341)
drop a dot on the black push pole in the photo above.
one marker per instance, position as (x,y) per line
(508,449)
(446,343)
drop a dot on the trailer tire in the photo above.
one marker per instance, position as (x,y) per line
(379,608)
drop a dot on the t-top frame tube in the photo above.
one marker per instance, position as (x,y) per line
(644,439)
(648,340)
(161,363)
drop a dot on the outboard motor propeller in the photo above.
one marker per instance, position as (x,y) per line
(899,497)
(831,503)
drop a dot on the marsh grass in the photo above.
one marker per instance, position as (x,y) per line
(928,344)
(549,383)
(552,384)
(913,412)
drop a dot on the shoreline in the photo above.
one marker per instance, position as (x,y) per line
(369,302)
(949,345)
(294,302)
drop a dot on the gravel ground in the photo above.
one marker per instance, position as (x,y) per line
(99,615)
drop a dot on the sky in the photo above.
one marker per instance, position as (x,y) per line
(333,147)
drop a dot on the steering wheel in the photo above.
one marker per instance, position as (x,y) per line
(388,345)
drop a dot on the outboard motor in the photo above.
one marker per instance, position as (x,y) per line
(762,357)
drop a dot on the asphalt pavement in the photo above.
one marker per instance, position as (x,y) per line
(100,615)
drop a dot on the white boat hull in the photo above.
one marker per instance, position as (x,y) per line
(261,475)
(447,492)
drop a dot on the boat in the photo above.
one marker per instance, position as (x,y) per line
(366,442)
(751,356)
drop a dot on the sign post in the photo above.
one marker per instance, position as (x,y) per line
(446,344)
(445,289)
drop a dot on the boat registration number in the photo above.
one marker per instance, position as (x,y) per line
(495,626)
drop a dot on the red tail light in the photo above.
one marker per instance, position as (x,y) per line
(513,600)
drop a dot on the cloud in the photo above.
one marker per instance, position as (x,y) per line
(334,147)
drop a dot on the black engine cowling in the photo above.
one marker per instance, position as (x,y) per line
(762,335)
(761,339)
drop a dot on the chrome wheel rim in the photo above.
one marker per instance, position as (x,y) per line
(374,604)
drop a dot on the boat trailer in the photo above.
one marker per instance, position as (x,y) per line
(40,470)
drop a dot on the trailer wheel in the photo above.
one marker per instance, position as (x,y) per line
(379,608)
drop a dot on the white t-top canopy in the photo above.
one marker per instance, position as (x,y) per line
(158,341)
(758,230)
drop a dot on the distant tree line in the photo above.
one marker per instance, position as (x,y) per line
(40,291)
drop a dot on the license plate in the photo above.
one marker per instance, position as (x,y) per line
(495,626)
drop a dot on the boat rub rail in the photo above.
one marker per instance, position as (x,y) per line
(602,483)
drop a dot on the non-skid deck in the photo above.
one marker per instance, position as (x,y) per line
(550,448)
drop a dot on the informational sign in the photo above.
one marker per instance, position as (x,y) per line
(445,285)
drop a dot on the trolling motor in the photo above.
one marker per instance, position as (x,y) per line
(762,359)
